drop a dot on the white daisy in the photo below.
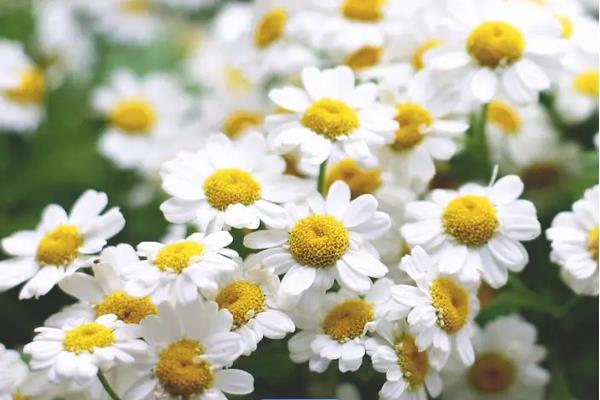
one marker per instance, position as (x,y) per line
(329,111)
(506,364)
(13,373)
(442,309)
(60,245)
(229,184)
(574,236)
(577,95)
(187,356)
(475,231)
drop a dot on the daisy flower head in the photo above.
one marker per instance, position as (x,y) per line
(506,364)
(577,94)
(442,309)
(22,89)
(475,231)
(329,111)
(574,240)
(60,245)
(325,240)
(229,183)
(76,351)
(13,373)
(189,357)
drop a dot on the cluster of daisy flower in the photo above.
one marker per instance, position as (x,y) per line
(304,153)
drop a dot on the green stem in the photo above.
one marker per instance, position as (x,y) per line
(321,180)
(107,386)
(480,138)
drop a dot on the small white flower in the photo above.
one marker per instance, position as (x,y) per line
(13,373)
(60,245)
(577,96)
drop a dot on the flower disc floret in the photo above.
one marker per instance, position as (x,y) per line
(60,246)
(270,28)
(492,373)
(413,363)
(134,116)
(31,88)
(330,118)
(128,309)
(363,10)
(347,320)
(412,118)
(471,220)
(451,302)
(231,186)
(318,241)
(496,43)
(360,180)
(86,337)
(242,299)
(177,256)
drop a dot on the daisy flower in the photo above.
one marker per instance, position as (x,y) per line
(577,95)
(325,240)
(188,356)
(330,111)
(506,364)
(409,374)
(476,231)
(22,89)
(574,237)
(13,373)
(59,246)
(77,350)
(442,309)
(229,184)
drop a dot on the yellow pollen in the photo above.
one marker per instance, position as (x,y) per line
(60,246)
(451,302)
(231,186)
(586,83)
(363,10)
(360,180)
(270,28)
(31,88)
(239,121)
(492,373)
(128,309)
(135,6)
(330,118)
(347,320)
(86,337)
(318,241)
(505,116)
(134,116)
(243,300)
(180,373)
(364,57)
(417,57)
(592,242)
(494,44)
(177,256)
(413,363)
(471,220)
(486,294)
(18,396)
(566,24)
(412,119)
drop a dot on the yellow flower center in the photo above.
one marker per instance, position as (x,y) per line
(363,10)
(347,320)
(231,186)
(318,241)
(177,256)
(451,302)
(134,116)
(486,294)
(492,373)
(360,180)
(566,25)
(180,373)
(86,337)
(243,300)
(239,121)
(330,118)
(60,246)
(592,242)
(417,58)
(235,80)
(586,83)
(413,363)
(18,396)
(270,28)
(364,57)
(412,119)
(31,88)
(494,44)
(471,220)
(135,6)
(504,116)
(128,309)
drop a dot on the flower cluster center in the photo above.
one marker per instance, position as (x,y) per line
(451,302)
(505,116)
(361,180)
(412,119)
(363,10)
(318,241)
(243,300)
(416,59)
(177,256)
(586,83)
(31,88)
(592,242)
(231,186)
(365,57)
(492,373)
(239,121)
(347,320)
(128,309)
(134,116)
(413,363)
(330,118)
(471,220)
(566,25)
(86,337)
(60,246)
(495,43)
(270,28)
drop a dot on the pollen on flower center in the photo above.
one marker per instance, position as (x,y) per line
(363,10)
(364,57)
(451,302)
(231,186)
(318,241)
(88,336)
(18,396)
(238,121)
(586,83)
(495,43)
(270,28)
(566,25)
(235,80)
(177,256)
(242,299)
(347,320)
(361,180)
(471,220)
(413,363)
(492,373)
(592,242)
(330,118)
(417,57)
(134,116)
(505,116)
(412,119)
(31,88)
(179,371)
(128,309)
(60,246)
